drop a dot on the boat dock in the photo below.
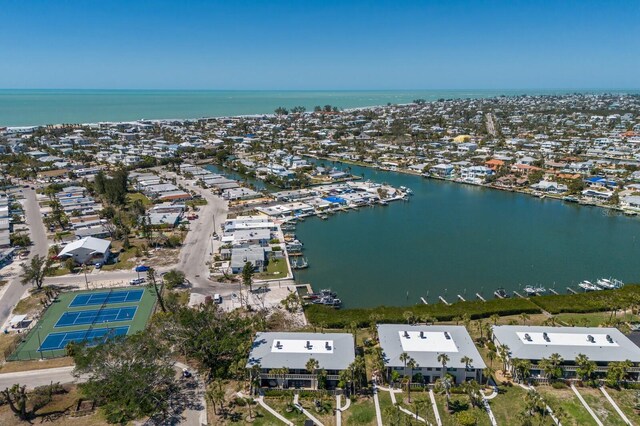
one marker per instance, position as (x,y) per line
(480,297)
(519,295)
(443,300)
(572,291)
(423,300)
(553,291)
(498,295)
(461,298)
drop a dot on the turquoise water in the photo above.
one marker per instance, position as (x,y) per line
(37,107)
(457,239)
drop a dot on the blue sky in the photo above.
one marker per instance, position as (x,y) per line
(277,44)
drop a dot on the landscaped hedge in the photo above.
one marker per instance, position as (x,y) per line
(317,314)
(595,301)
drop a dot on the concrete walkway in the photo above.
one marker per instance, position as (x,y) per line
(310,416)
(584,403)
(377,404)
(392,393)
(436,413)
(338,410)
(549,410)
(277,415)
(617,408)
(487,407)
(346,405)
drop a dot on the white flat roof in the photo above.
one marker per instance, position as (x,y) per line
(567,339)
(301,346)
(430,341)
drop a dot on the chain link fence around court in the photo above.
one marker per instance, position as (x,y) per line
(15,352)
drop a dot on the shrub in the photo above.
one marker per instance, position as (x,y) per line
(559,385)
(466,418)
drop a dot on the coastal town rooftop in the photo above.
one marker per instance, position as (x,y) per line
(535,343)
(333,351)
(424,343)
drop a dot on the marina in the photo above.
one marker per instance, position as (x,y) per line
(454,235)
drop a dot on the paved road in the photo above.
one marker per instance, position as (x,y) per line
(199,246)
(491,128)
(194,416)
(38,235)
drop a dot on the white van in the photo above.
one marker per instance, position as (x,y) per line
(217,298)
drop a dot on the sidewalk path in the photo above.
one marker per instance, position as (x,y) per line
(305,412)
(377,404)
(401,408)
(617,408)
(435,407)
(584,403)
(338,410)
(277,415)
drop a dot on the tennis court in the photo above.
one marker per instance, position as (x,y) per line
(96,316)
(92,337)
(107,298)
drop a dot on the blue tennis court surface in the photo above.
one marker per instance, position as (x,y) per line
(96,316)
(94,337)
(106,298)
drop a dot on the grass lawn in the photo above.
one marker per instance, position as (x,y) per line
(577,415)
(422,398)
(603,408)
(592,319)
(276,268)
(280,403)
(450,419)
(361,412)
(29,304)
(126,260)
(509,404)
(327,416)
(131,197)
(626,400)
(15,366)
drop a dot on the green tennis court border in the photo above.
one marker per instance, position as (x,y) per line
(28,349)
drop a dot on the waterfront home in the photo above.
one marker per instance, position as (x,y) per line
(425,344)
(256,255)
(630,202)
(534,343)
(442,170)
(550,187)
(283,358)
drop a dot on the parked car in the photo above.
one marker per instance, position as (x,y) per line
(136,281)
(98,265)
(141,268)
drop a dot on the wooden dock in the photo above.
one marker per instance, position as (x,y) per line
(519,295)
(461,298)
(443,300)
(553,291)
(572,291)
(498,295)
(480,297)
(424,300)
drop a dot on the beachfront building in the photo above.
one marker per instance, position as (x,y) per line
(533,343)
(424,344)
(284,357)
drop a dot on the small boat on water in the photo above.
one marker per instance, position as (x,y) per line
(609,283)
(328,301)
(501,293)
(533,291)
(300,263)
(570,199)
(323,216)
(588,286)
(383,203)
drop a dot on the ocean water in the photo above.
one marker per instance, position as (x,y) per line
(39,107)
(452,239)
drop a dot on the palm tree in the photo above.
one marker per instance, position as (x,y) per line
(494,319)
(466,361)
(586,368)
(524,317)
(412,364)
(556,360)
(443,359)
(254,377)
(491,355)
(503,353)
(353,328)
(404,357)
(444,384)
(312,365)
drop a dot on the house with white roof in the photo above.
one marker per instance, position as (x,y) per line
(533,343)
(425,344)
(283,357)
(87,250)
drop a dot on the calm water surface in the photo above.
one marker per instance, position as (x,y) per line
(457,239)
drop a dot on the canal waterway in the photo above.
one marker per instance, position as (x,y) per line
(455,239)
